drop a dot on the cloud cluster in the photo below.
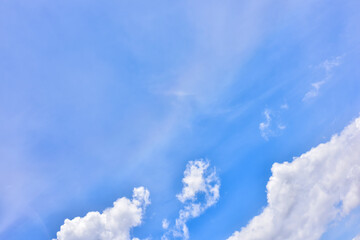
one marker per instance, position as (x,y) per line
(200,191)
(112,224)
(199,180)
(304,196)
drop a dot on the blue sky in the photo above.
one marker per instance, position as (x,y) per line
(99,98)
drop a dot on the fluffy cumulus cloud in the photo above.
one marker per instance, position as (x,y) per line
(200,191)
(304,196)
(112,224)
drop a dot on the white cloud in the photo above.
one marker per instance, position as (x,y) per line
(165,224)
(304,196)
(314,90)
(327,65)
(198,179)
(264,126)
(112,224)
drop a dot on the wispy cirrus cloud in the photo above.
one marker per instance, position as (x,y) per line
(304,196)
(272,125)
(328,65)
(315,87)
(264,126)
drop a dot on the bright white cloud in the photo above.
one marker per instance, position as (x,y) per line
(112,224)
(304,196)
(198,180)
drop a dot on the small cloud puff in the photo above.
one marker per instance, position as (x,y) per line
(165,224)
(198,180)
(266,127)
(112,224)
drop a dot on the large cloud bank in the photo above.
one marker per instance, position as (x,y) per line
(113,224)
(199,180)
(304,196)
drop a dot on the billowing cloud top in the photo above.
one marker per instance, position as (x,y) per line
(304,196)
(113,224)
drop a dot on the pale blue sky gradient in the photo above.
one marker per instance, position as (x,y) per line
(97,98)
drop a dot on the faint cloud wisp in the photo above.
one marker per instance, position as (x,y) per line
(328,66)
(272,125)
